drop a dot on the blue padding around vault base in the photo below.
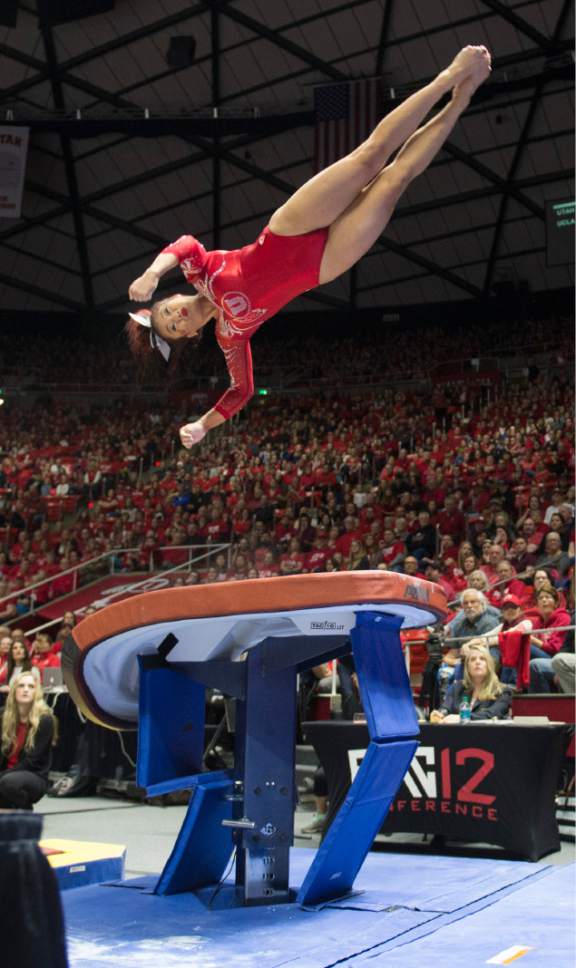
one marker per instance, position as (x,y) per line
(359,819)
(171,724)
(88,872)
(136,929)
(204,846)
(539,917)
(382,676)
(189,782)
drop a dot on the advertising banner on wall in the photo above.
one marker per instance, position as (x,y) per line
(13,154)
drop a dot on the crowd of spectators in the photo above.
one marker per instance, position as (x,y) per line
(468,486)
(297,354)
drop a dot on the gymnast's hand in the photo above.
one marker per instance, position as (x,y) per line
(192,433)
(144,286)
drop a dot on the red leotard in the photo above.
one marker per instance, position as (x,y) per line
(248,286)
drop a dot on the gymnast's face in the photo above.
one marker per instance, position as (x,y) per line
(177,317)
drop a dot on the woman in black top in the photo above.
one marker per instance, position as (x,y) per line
(488,698)
(27,735)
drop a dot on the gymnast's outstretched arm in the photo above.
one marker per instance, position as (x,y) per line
(143,288)
(241,389)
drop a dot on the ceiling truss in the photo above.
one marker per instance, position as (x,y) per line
(224,140)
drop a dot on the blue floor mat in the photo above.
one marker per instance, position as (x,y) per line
(539,918)
(428,883)
(403,898)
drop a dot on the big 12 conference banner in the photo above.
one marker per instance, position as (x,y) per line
(455,782)
(13,155)
(488,783)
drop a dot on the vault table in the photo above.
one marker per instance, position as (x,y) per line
(145,663)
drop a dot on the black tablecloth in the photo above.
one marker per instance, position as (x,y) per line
(492,783)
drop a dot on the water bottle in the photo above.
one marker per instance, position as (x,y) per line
(465,709)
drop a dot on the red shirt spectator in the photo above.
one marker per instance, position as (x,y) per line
(451,520)
(351,533)
(549,615)
(319,554)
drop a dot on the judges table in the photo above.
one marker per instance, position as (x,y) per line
(493,783)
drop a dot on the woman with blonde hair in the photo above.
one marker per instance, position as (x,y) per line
(26,737)
(357,559)
(478,580)
(488,697)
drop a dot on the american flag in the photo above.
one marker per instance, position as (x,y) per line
(345,114)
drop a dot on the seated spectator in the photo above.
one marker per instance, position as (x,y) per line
(357,559)
(421,543)
(18,661)
(293,561)
(351,531)
(372,550)
(478,581)
(496,554)
(69,618)
(392,550)
(548,615)
(305,533)
(26,738)
(563,527)
(445,674)
(5,643)
(411,567)
(221,566)
(559,668)
(318,555)
(42,655)
(564,669)
(448,551)
(512,619)
(532,536)
(553,556)
(63,633)
(557,504)
(436,572)
(475,618)
(506,584)
(459,576)
(489,698)
(240,568)
(519,557)
(450,519)
(542,578)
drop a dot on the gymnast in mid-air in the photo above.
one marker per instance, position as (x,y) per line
(325,227)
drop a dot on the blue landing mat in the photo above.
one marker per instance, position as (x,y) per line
(404,897)
(537,920)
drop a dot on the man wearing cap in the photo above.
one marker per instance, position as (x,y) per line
(512,614)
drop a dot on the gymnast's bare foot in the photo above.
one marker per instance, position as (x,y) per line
(465,89)
(471,62)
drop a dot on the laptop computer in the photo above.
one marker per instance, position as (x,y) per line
(52,677)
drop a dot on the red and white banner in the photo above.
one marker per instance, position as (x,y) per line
(106,592)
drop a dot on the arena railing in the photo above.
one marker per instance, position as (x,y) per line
(107,559)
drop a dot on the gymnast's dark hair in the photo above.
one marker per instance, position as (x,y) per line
(147,357)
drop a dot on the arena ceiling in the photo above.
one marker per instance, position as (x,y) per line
(127,152)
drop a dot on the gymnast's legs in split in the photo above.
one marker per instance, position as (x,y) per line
(356,196)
